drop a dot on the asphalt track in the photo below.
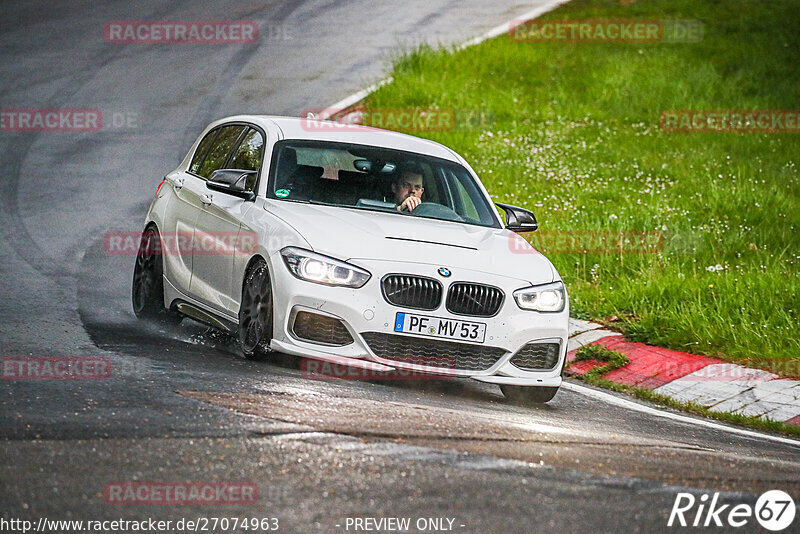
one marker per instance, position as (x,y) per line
(181,405)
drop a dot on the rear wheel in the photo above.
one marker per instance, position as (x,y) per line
(255,313)
(528,394)
(147,291)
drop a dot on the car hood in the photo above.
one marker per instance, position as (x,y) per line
(352,234)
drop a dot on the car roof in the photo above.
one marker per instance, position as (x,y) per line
(313,129)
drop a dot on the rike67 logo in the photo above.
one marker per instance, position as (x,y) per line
(774,510)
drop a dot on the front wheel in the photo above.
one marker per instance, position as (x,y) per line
(528,394)
(255,313)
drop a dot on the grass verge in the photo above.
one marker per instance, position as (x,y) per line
(571,131)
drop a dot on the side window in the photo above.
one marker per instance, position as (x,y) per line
(202,149)
(220,150)
(249,156)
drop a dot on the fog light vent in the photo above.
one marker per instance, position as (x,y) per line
(537,356)
(320,329)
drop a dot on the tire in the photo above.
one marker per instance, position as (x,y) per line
(255,313)
(147,289)
(527,395)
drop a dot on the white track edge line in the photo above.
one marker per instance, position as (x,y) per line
(505,27)
(494,32)
(635,406)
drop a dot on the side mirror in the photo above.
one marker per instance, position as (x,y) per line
(519,219)
(232,182)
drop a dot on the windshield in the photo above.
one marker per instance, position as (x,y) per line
(377,179)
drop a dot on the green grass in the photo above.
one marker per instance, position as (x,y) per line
(598,353)
(571,131)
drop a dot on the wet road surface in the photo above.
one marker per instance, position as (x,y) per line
(182,405)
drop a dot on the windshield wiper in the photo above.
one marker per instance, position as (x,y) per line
(303,201)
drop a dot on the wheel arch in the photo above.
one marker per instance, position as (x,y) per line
(254,259)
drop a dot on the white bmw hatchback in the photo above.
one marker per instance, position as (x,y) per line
(355,246)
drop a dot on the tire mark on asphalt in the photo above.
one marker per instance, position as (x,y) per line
(12,160)
(14,229)
(370,418)
(205,112)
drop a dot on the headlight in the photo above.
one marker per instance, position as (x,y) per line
(544,298)
(313,267)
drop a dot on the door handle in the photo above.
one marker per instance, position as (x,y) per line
(206,199)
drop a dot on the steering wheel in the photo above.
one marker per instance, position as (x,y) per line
(436,211)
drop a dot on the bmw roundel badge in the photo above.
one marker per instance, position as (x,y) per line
(444,271)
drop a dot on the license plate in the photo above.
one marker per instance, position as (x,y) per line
(427,325)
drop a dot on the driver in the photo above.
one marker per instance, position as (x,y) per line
(407,188)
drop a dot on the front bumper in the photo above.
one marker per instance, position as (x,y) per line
(365,310)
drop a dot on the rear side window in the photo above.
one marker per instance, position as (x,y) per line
(220,150)
(202,150)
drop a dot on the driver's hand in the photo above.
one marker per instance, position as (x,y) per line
(409,203)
